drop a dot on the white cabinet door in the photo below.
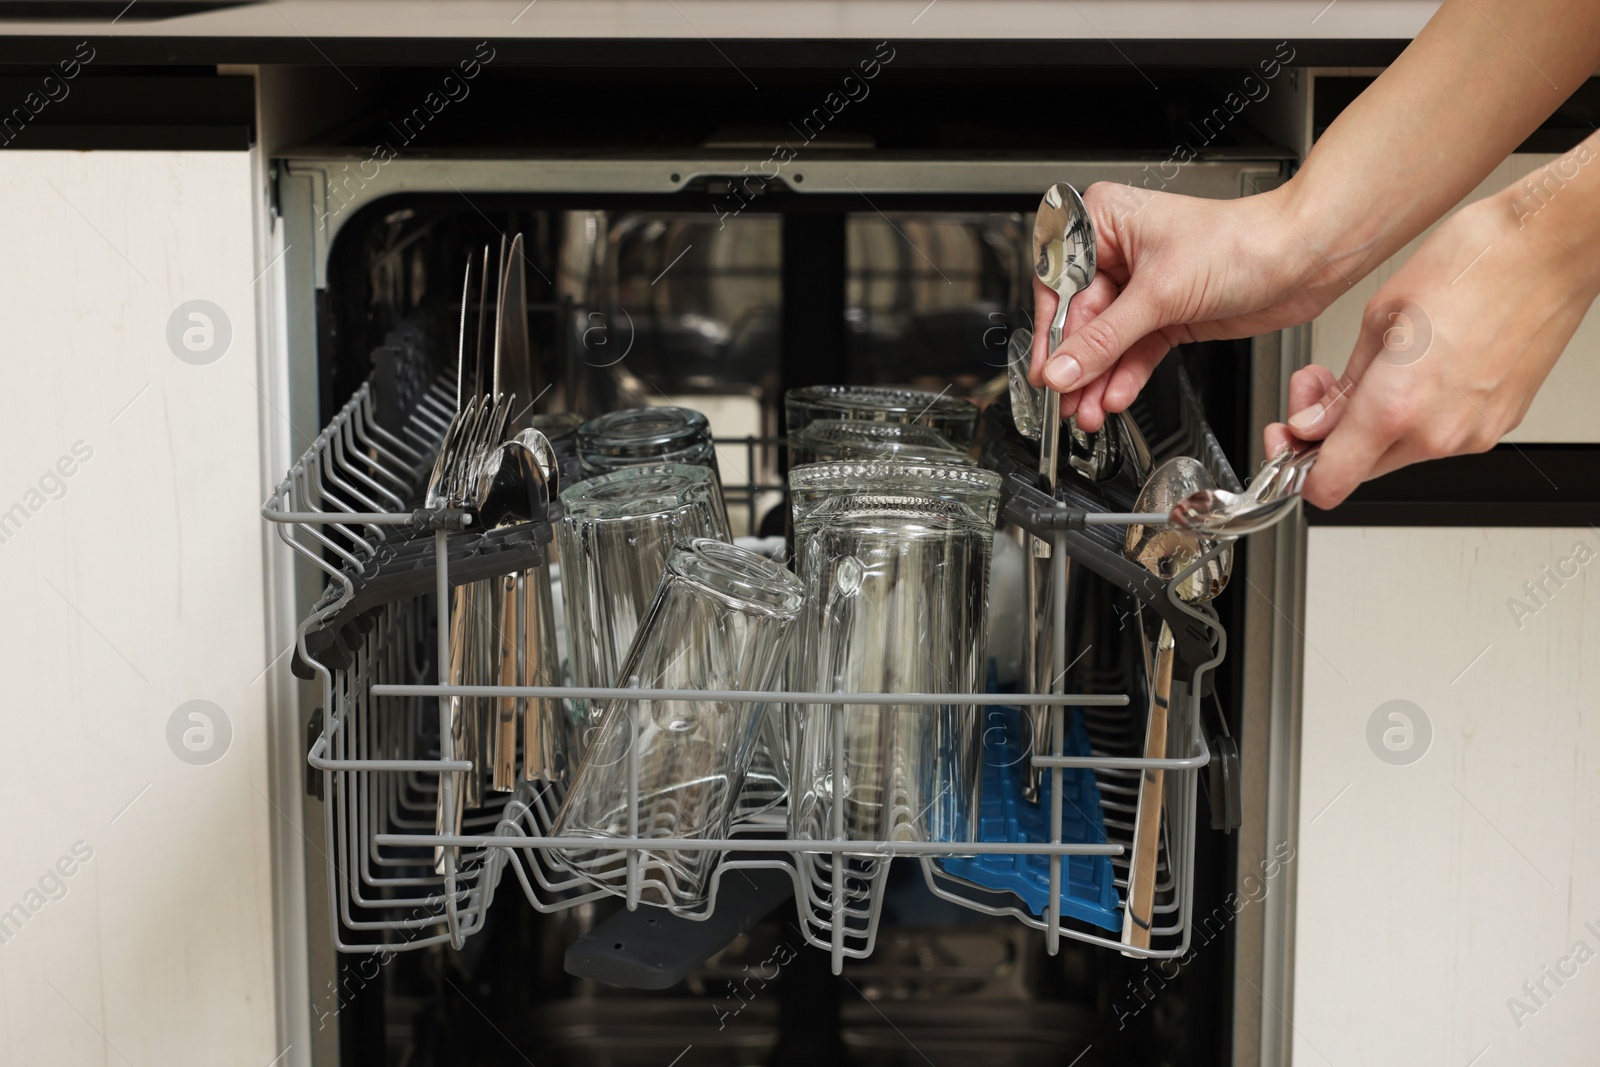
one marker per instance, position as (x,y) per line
(1564,410)
(1448,876)
(136,887)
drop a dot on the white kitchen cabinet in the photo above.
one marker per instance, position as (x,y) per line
(1429,892)
(132,568)
(1564,410)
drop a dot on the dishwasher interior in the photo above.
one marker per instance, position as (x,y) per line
(721,297)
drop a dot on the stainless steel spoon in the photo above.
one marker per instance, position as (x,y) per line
(1063,259)
(1166,552)
(1270,497)
(1027,401)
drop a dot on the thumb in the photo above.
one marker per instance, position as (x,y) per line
(1044,309)
(1390,331)
(1094,348)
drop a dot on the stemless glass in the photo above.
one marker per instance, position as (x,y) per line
(826,440)
(952,417)
(722,619)
(638,436)
(616,533)
(894,560)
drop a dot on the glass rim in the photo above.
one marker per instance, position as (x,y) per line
(665,486)
(856,474)
(909,432)
(861,439)
(745,580)
(975,487)
(885,398)
(647,431)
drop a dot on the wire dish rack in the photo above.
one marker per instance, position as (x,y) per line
(375,638)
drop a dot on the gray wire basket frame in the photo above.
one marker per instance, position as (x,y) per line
(384,748)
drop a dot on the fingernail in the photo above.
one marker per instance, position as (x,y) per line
(1063,374)
(1307,420)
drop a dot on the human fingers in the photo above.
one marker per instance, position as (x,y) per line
(1133,370)
(1091,413)
(1351,452)
(1095,347)
(1388,330)
(1317,401)
(1277,437)
(1084,308)
(1044,309)
(1307,386)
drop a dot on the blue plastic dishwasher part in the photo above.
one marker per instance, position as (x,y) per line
(1088,888)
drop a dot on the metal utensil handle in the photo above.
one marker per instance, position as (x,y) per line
(1138,913)
(1291,477)
(1050,440)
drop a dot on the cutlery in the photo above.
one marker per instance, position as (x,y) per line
(1271,495)
(1166,552)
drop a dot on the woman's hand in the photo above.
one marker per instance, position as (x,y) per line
(1173,269)
(1453,347)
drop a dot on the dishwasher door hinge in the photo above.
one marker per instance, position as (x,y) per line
(274,204)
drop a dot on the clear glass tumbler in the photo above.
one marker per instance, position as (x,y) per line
(640,437)
(825,440)
(894,559)
(616,533)
(722,619)
(955,419)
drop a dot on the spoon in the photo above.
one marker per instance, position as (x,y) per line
(525,478)
(1271,495)
(1027,401)
(1063,259)
(1166,552)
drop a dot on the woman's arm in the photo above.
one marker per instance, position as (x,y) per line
(1456,344)
(1477,80)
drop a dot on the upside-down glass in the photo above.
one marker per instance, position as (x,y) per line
(638,436)
(955,419)
(825,440)
(641,437)
(894,560)
(616,533)
(722,619)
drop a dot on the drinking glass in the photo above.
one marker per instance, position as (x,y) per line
(824,440)
(722,619)
(637,437)
(955,419)
(616,533)
(894,560)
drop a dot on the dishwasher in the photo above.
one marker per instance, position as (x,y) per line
(692,279)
